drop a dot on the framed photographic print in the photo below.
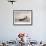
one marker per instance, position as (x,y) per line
(22,17)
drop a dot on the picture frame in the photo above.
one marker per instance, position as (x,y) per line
(22,17)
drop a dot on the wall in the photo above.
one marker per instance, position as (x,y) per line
(38,29)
